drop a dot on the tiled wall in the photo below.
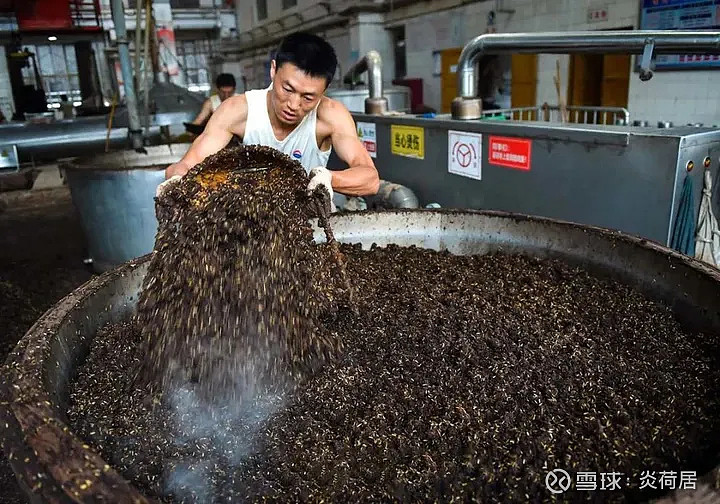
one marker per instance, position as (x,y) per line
(679,97)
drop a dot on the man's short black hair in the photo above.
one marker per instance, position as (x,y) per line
(310,53)
(225,80)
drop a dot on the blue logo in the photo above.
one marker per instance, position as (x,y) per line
(297,154)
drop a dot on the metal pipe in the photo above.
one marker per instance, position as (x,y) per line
(147,65)
(371,63)
(391,195)
(118,13)
(138,39)
(647,43)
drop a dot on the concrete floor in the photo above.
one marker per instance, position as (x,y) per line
(42,248)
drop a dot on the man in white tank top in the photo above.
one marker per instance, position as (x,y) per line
(225,85)
(293,116)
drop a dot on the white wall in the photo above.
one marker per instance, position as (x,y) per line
(680,97)
(340,40)
(247,17)
(368,33)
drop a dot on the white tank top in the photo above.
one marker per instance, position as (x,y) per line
(300,144)
(215,102)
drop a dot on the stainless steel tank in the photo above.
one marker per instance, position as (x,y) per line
(114,196)
(354,99)
(35,393)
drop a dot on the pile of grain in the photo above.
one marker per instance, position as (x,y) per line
(459,378)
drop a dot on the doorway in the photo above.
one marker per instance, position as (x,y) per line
(600,80)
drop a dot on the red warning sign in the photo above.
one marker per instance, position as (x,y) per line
(510,152)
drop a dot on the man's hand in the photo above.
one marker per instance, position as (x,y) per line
(165,185)
(177,169)
(321,176)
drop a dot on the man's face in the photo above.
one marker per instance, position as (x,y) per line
(295,93)
(225,92)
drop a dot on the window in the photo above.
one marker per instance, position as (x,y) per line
(261,9)
(194,56)
(57,66)
(288,4)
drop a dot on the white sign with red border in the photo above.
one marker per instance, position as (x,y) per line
(368,137)
(465,154)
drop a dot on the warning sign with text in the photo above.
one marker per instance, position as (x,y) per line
(407,141)
(510,152)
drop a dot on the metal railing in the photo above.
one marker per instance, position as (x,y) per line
(574,114)
(85,14)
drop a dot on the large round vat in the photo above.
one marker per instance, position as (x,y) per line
(354,99)
(53,465)
(114,194)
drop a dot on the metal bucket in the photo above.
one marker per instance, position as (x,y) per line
(114,196)
(45,360)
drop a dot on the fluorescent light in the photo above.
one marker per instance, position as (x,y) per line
(77,103)
(52,38)
(55,105)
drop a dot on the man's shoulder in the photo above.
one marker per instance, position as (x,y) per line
(332,111)
(235,103)
(328,105)
(237,99)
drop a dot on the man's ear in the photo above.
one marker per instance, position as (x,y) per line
(272,70)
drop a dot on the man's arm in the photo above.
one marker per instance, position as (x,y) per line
(205,112)
(360,178)
(217,134)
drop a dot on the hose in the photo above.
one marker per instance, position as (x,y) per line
(683,238)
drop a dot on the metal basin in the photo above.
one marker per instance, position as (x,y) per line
(42,365)
(114,195)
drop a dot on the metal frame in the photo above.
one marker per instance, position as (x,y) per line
(552,113)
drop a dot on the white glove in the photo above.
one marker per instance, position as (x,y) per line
(321,176)
(165,185)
